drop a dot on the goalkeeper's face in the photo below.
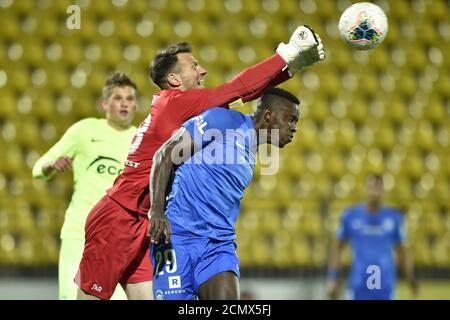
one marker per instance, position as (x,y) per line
(190,73)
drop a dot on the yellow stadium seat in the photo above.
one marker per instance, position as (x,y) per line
(309,135)
(19,77)
(399,10)
(330,83)
(301,251)
(28,133)
(261,251)
(288,9)
(438,9)
(11,28)
(89,27)
(312,224)
(270,222)
(422,253)
(44,108)
(319,256)
(417,60)
(424,136)
(346,136)
(23,217)
(73,51)
(58,78)
(214,9)
(124,30)
(396,107)
(385,137)
(13,163)
(443,84)
(435,111)
(341,57)
(244,249)
(281,249)
(100,7)
(380,59)
(8,105)
(402,190)
(33,50)
(335,165)
(48,25)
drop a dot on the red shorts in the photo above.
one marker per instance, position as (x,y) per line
(116,249)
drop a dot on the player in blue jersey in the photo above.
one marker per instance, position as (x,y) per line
(373,231)
(197,258)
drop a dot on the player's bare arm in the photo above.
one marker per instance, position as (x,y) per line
(333,269)
(174,151)
(407,268)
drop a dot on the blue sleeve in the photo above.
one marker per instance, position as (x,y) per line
(343,231)
(399,231)
(212,124)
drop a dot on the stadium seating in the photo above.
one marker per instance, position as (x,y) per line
(381,111)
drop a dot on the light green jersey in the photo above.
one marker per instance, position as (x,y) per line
(99,152)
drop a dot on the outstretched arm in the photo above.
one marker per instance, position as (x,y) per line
(173,152)
(304,49)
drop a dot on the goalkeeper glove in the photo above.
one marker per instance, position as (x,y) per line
(303,49)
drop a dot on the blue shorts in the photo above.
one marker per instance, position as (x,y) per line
(187,261)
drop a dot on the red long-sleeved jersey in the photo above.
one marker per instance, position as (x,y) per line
(170,109)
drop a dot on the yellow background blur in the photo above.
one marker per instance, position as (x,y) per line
(380,111)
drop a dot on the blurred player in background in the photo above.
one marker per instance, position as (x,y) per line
(96,150)
(374,231)
(200,260)
(124,253)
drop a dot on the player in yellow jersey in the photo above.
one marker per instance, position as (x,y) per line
(95,149)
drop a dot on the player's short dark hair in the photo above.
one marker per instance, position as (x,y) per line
(270,94)
(117,79)
(164,61)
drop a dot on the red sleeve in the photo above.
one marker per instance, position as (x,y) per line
(282,77)
(248,85)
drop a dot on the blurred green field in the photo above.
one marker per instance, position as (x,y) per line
(428,290)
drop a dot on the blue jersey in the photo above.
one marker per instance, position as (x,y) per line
(207,189)
(373,237)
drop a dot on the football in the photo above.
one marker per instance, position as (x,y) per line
(363,25)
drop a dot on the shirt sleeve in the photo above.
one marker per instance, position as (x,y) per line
(66,146)
(211,124)
(248,85)
(400,232)
(343,231)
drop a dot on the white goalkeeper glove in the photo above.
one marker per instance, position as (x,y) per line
(303,49)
